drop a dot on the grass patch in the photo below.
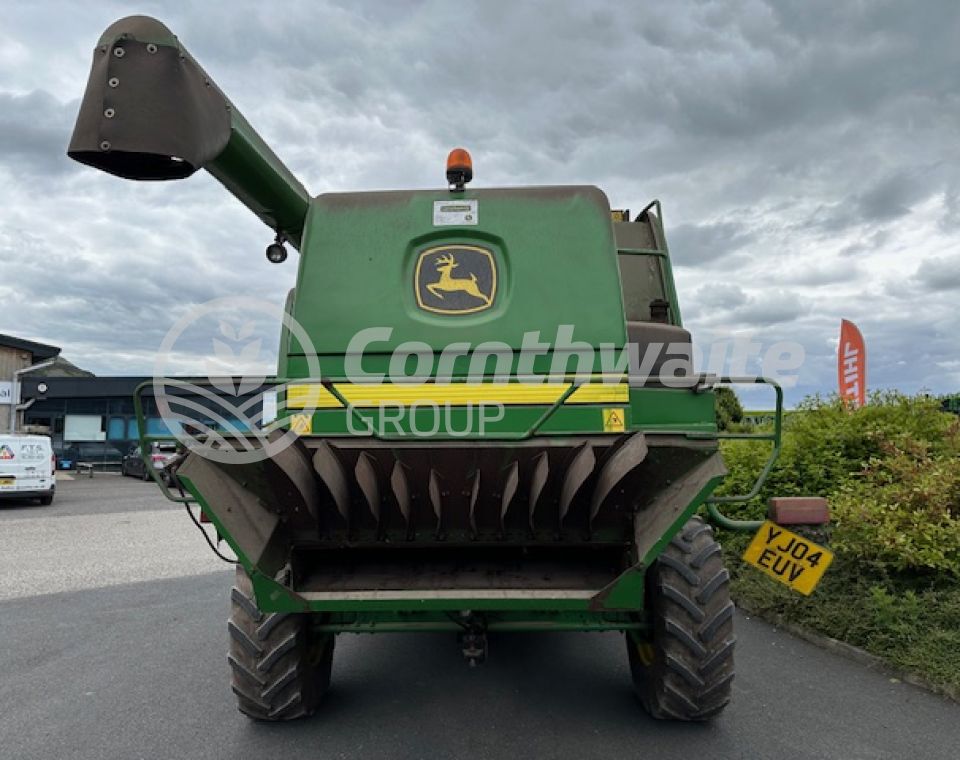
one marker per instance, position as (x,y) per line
(911,621)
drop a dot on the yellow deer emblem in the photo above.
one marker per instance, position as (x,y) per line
(449,284)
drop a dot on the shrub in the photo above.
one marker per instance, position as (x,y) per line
(902,512)
(891,470)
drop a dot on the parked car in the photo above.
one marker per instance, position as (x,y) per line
(104,455)
(27,467)
(161,454)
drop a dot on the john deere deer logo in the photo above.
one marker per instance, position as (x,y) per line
(456,279)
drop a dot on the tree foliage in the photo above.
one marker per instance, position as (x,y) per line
(728,408)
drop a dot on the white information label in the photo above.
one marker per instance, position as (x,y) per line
(449,213)
(6,391)
(269,408)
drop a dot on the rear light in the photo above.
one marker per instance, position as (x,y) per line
(158,458)
(203,517)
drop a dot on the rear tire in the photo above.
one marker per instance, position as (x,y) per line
(280,667)
(685,671)
(47,500)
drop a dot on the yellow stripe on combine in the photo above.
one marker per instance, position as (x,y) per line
(601,393)
(310,396)
(454,394)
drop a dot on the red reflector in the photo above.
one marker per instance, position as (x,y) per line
(156,458)
(799,510)
(203,517)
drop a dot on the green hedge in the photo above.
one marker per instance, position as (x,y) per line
(892,473)
(891,470)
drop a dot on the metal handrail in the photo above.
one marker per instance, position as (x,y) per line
(145,440)
(529,433)
(776,437)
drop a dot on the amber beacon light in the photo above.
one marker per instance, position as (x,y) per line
(459,169)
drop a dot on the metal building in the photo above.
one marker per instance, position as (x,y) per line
(17,355)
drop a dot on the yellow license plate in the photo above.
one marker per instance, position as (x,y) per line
(6,481)
(787,557)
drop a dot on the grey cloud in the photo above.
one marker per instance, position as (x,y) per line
(939,274)
(950,217)
(34,131)
(694,244)
(771,308)
(866,244)
(892,197)
(786,141)
(728,304)
(887,199)
(721,295)
(814,270)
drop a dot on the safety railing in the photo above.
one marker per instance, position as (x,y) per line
(500,436)
(775,437)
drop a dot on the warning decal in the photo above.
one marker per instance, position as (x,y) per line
(614,420)
(301,424)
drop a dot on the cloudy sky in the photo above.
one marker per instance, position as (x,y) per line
(805,154)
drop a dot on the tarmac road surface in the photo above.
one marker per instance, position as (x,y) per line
(99,531)
(127,660)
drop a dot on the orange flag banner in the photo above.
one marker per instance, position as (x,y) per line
(852,365)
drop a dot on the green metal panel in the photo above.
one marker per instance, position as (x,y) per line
(463,422)
(502,621)
(672,409)
(654,410)
(553,248)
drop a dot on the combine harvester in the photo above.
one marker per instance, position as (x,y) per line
(528,505)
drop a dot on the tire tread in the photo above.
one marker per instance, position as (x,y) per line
(691,669)
(275,671)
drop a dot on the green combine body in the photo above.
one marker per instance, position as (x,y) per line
(511,470)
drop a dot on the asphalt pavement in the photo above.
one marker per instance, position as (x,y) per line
(98,532)
(138,670)
(103,494)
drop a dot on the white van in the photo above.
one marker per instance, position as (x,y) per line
(27,468)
